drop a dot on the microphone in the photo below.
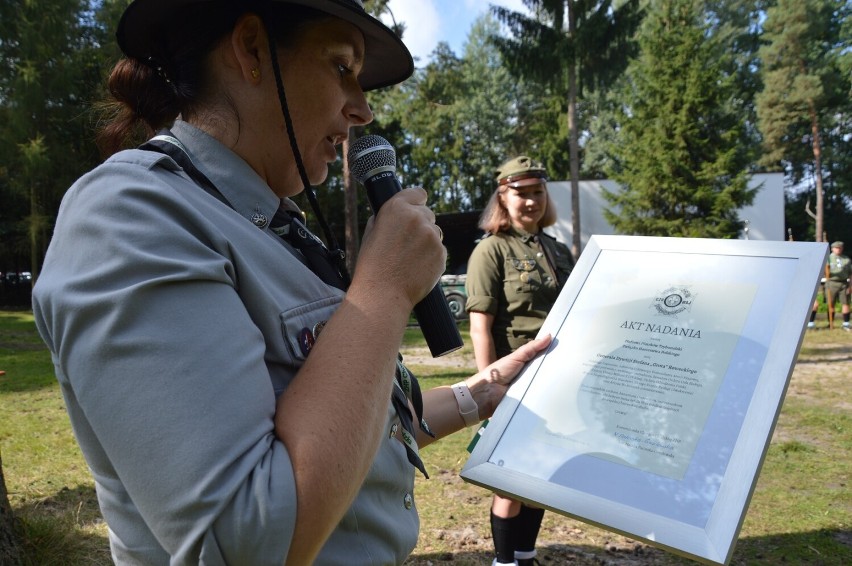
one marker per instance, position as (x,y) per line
(373,162)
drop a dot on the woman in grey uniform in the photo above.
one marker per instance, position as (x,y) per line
(514,276)
(237,399)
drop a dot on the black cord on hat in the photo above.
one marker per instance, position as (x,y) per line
(337,254)
(409,388)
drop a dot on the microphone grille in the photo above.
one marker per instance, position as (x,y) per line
(370,153)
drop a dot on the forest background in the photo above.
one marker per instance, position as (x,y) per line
(677,100)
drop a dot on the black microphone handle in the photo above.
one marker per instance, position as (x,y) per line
(432,312)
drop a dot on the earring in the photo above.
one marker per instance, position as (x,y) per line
(255,73)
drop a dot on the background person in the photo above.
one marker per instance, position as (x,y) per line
(235,401)
(837,286)
(514,276)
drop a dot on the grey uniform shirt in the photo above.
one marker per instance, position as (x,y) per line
(173,323)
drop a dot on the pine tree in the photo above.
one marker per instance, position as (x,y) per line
(455,119)
(569,46)
(806,93)
(48,73)
(682,169)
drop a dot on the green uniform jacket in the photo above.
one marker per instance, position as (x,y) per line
(508,276)
(839,267)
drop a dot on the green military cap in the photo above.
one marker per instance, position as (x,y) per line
(837,244)
(520,171)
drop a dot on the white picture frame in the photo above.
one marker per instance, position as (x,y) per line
(651,412)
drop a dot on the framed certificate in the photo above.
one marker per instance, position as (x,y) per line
(651,412)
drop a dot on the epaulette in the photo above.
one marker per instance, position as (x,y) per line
(485,235)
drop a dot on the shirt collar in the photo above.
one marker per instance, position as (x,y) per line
(523,235)
(243,188)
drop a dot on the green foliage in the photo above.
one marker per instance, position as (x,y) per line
(680,162)
(801,75)
(805,107)
(543,48)
(47,81)
(454,121)
(565,47)
(838,216)
(735,24)
(507,93)
(542,131)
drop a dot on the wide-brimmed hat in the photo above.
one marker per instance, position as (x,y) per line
(387,60)
(520,172)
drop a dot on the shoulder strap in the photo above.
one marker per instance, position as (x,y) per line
(548,245)
(164,142)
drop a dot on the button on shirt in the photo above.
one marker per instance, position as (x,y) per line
(508,276)
(174,322)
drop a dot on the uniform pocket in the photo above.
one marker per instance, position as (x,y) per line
(523,275)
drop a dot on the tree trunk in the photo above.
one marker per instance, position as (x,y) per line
(350,208)
(10,549)
(35,216)
(817,149)
(573,140)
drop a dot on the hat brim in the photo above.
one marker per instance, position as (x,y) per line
(529,181)
(387,61)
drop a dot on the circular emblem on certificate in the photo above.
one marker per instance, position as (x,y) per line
(673,300)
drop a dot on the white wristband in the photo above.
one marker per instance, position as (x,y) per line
(468,409)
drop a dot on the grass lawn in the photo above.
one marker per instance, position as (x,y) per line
(801,511)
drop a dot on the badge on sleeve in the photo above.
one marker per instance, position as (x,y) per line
(308,336)
(306,341)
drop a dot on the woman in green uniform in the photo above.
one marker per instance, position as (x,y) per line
(514,276)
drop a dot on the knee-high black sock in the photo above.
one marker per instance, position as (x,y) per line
(528,525)
(846,317)
(813,315)
(504,538)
